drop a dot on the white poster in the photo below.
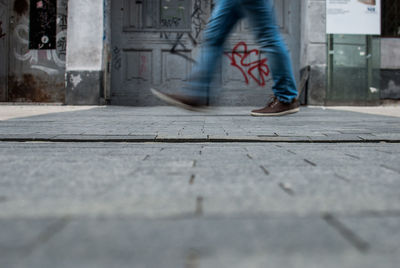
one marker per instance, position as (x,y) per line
(353,17)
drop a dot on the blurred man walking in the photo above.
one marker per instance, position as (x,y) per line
(226,14)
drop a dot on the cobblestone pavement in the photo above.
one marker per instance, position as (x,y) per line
(157,187)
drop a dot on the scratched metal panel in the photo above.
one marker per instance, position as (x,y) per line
(3,49)
(35,75)
(139,25)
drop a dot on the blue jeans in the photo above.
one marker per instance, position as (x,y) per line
(262,18)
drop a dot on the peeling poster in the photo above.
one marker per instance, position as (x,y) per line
(43,24)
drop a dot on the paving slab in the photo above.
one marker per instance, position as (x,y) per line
(381,233)
(20,237)
(160,187)
(163,179)
(222,124)
(204,242)
(194,242)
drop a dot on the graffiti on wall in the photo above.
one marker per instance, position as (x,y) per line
(198,22)
(198,18)
(143,62)
(48,61)
(178,46)
(183,42)
(174,14)
(257,70)
(117,59)
(171,22)
(37,58)
(61,38)
(240,57)
(1,30)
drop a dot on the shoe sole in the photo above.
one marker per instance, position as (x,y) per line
(175,102)
(292,111)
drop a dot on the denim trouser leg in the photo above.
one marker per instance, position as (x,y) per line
(262,17)
(223,19)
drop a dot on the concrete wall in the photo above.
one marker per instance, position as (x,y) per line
(85,76)
(390,68)
(313,48)
(390,53)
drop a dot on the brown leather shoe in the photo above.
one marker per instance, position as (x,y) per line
(185,102)
(275,107)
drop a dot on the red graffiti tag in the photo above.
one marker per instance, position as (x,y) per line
(238,58)
(142,65)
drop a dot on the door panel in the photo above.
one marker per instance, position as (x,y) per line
(155,43)
(152,46)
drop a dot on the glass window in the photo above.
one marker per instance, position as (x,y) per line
(175,14)
(353,70)
(161,15)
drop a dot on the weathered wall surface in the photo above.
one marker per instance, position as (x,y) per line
(390,53)
(313,48)
(3,48)
(35,75)
(105,91)
(85,76)
(390,64)
(86,32)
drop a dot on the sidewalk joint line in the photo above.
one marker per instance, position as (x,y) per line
(347,233)
(192,140)
(47,234)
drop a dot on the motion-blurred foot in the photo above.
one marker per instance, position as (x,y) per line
(185,102)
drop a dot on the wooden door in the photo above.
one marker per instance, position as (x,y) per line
(155,42)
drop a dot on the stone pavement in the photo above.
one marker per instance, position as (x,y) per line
(163,124)
(159,187)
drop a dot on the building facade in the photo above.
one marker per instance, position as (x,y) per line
(113,51)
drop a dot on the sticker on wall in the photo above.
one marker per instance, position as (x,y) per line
(353,17)
(43,24)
